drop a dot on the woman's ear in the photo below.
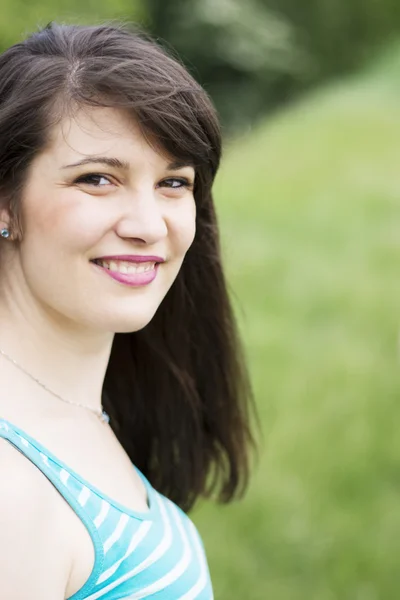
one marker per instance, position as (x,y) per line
(11,222)
(5,222)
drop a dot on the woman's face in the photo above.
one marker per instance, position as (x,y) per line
(126,199)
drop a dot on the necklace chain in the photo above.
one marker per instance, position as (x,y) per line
(103,416)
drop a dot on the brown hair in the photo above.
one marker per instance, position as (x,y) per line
(177,391)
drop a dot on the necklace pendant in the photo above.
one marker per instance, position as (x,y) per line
(105,417)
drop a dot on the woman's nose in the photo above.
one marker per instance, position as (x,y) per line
(143,218)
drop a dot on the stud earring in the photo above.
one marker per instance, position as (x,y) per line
(5,233)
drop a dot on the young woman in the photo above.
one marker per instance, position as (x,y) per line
(124,395)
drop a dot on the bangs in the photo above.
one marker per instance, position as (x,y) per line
(172,109)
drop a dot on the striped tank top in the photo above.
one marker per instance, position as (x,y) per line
(157,554)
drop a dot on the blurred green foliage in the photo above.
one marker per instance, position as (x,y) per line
(337,34)
(19,18)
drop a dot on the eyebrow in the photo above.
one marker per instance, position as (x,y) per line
(122,164)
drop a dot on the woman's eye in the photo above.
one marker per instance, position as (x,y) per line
(176,183)
(95,179)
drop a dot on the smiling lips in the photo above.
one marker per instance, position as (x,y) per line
(130,270)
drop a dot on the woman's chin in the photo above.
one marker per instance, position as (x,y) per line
(130,324)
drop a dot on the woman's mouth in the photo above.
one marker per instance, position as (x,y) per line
(128,273)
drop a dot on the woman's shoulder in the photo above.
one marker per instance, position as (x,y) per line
(29,527)
(22,486)
(28,533)
(27,502)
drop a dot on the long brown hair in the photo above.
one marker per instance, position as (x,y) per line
(177,391)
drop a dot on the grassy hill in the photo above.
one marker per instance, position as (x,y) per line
(309,206)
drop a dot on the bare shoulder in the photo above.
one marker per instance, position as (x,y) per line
(33,562)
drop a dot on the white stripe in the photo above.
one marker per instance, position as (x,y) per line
(24,441)
(4,426)
(203,578)
(44,459)
(155,555)
(105,507)
(64,476)
(135,541)
(84,495)
(174,573)
(116,533)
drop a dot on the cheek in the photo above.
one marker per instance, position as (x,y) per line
(66,222)
(183,227)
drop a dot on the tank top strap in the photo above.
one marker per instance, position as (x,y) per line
(58,471)
(91,514)
(73,490)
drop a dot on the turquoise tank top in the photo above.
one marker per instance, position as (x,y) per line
(157,554)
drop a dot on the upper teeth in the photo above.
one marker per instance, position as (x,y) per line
(126,267)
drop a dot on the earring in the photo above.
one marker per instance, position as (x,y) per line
(4,233)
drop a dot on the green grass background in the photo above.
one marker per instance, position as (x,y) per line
(309,207)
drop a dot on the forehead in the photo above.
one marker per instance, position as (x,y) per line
(97,130)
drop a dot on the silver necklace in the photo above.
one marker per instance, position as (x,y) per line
(103,416)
